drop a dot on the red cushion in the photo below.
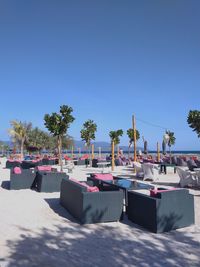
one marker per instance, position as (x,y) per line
(44,168)
(89,188)
(155,191)
(105,177)
(17,170)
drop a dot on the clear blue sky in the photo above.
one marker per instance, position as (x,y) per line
(108,59)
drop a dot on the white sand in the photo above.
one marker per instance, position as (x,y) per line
(36,231)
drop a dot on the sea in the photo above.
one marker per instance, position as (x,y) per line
(175,152)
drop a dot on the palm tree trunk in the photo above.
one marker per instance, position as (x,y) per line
(170,156)
(22,149)
(90,156)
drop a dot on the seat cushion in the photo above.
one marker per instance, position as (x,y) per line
(17,170)
(104,177)
(89,188)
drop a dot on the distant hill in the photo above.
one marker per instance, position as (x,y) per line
(105,146)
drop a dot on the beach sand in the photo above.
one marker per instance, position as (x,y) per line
(36,231)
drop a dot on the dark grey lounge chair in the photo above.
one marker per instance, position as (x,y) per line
(191,164)
(181,162)
(168,211)
(80,162)
(49,181)
(88,207)
(23,180)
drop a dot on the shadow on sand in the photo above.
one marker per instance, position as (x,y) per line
(68,243)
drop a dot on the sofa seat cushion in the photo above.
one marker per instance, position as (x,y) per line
(89,188)
(104,177)
(154,192)
(17,170)
(44,168)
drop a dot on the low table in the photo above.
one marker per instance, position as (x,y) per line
(103,164)
(163,167)
(127,185)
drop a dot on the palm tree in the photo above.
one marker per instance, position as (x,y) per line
(19,133)
(130,133)
(115,136)
(88,134)
(171,141)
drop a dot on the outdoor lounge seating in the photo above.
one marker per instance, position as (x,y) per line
(80,162)
(168,210)
(181,162)
(90,207)
(151,171)
(187,178)
(23,179)
(138,168)
(48,181)
(191,164)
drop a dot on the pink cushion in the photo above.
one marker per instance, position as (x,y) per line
(89,188)
(44,168)
(17,170)
(155,191)
(104,177)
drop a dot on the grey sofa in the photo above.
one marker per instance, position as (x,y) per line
(12,164)
(168,211)
(49,181)
(23,180)
(88,207)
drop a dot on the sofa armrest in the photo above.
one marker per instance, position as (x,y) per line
(102,206)
(142,210)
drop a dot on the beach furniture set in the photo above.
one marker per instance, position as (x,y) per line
(27,164)
(40,178)
(103,198)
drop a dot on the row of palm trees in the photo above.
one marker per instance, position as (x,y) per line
(34,139)
(25,137)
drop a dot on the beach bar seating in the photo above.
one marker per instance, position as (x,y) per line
(48,180)
(90,207)
(22,178)
(163,211)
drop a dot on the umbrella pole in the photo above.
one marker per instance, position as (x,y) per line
(99,152)
(158,152)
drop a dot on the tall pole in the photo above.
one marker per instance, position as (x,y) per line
(134,138)
(92,151)
(99,152)
(113,155)
(158,152)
